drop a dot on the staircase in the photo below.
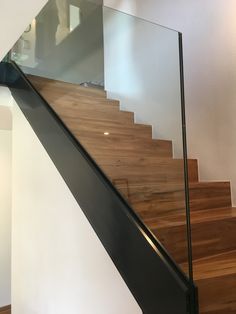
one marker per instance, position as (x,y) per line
(151,180)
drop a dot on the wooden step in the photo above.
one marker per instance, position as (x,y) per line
(114,145)
(151,199)
(215,277)
(113,129)
(60,97)
(41,83)
(206,195)
(97,111)
(146,169)
(213,232)
(155,199)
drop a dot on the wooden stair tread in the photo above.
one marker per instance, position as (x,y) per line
(213,184)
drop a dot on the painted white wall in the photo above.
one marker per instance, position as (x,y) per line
(142,71)
(5,198)
(209,30)
(15,16)
(5,217)
(58,263)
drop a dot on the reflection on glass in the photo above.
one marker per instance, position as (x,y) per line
(74,17)
(65,42)
(24,50)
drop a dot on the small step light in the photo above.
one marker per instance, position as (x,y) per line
(106,133)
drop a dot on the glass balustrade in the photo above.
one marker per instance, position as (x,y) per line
(116,82)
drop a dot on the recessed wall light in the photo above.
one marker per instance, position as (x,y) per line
(106,133)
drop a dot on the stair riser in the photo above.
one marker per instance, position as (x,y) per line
(210,195)
(106,114)
(214,237)
(61,87)
(218,295)
(145,174)
(124,147)
(134,169)
(150,203)
(163,171)
(193,170)
(70,100)
(162,205)
(208,238)
(49,90)
(86,127)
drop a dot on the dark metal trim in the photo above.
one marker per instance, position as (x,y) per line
(193,301)
(149,272)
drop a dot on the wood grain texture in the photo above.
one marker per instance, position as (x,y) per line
(155,199)
(85,127)
(216,278)
(41,83)
(209,230)
(93,111)
(205,195)
(145,172)
(146,169)
(5,309)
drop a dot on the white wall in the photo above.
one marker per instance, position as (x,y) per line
(209,30)
(15,16)
(5,198)
(58,263)
(142,71)
(5,218)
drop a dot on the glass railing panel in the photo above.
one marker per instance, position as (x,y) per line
(64,42)
(142,71)
(133,129)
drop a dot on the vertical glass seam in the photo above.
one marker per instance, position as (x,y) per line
(185,156)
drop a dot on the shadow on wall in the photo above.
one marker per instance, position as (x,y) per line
(5,118)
